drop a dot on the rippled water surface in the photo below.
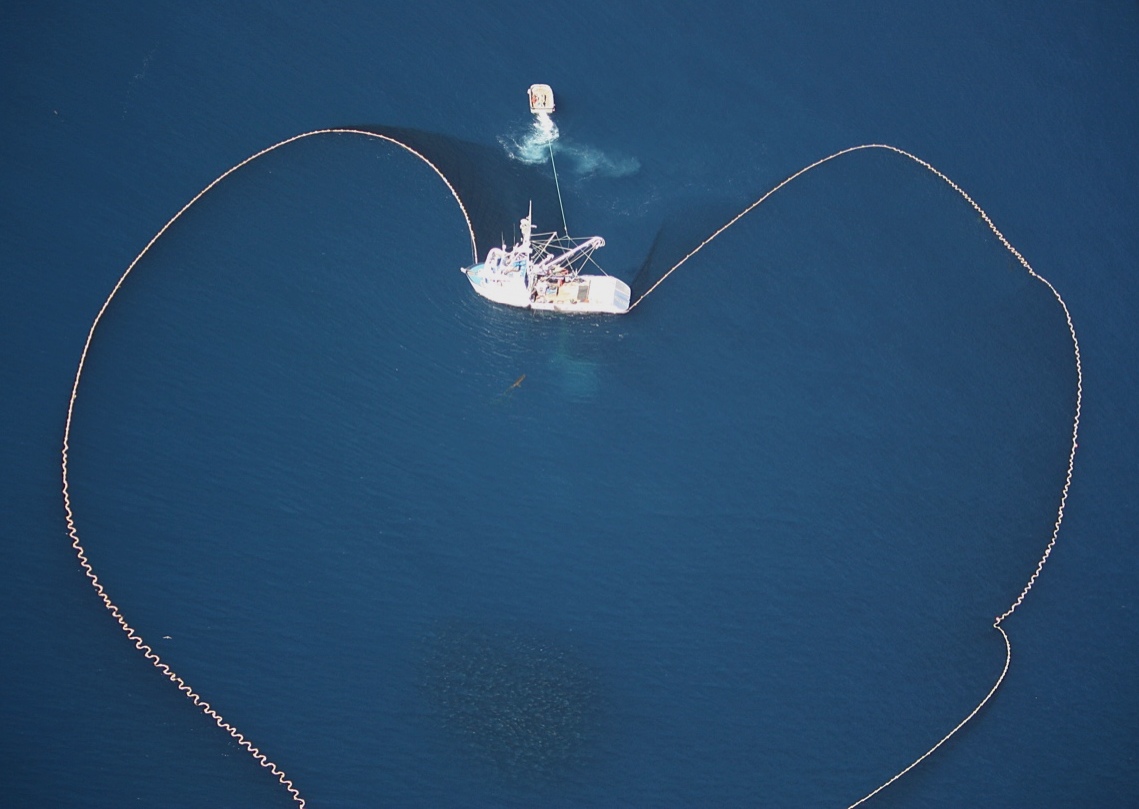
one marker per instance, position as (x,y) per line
(740,547)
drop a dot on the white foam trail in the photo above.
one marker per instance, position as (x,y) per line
(587,161)
(533,148)
(545,124)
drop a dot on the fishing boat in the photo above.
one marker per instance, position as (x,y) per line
(543,271)
(541,98)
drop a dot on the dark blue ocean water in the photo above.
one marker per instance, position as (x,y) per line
(741,547)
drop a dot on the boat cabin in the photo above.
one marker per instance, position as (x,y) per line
(541,99)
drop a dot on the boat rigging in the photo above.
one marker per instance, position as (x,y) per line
(544,271)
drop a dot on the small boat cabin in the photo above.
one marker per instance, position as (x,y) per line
(541,98)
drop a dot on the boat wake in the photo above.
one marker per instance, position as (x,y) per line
(533,147)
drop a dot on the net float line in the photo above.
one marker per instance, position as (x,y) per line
(1065,489)
(72,530)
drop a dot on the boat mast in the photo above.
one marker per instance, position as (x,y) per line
(526,226)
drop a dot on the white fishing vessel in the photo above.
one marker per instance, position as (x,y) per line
(544,271)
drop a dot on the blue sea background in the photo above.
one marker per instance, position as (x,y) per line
(742,547)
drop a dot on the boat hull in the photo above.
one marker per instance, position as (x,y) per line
(582,294)
(506,288)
